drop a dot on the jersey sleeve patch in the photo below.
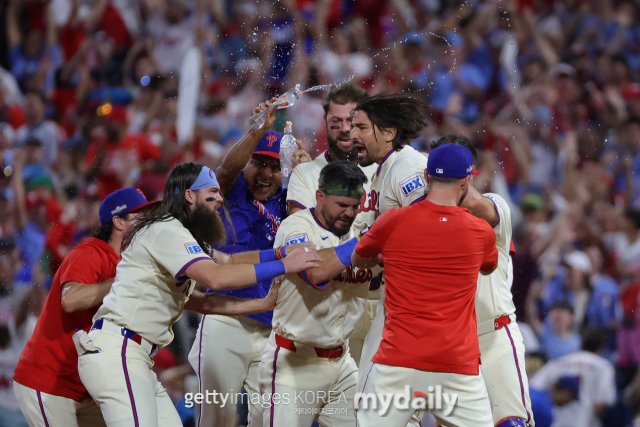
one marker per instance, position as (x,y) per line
(297,238)
(411,184)
(494,199)
(193,248)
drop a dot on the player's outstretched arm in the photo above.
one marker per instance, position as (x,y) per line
(232,306)
(234,276)
(240,153)
(82,296)
(481,206)
(255,257)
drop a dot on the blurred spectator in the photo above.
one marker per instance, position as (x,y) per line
(557,336)
(37,127)
(567,408)
(590,373)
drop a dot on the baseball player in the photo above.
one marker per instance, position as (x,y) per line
(433,252)
(165,254)
(307,353)
(47,384)
(501,343)
(226,352)
(382,127)
(301,194)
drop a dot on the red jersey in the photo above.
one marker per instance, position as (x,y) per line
(49,362)
(432,256)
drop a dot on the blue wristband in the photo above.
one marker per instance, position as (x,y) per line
(345,250)
(268,270)
(267,255)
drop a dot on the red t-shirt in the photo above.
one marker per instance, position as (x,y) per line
(49,362)
(432,256)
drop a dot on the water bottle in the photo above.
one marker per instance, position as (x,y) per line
(285,101)
(288,146)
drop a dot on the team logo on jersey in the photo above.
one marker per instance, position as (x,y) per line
(193,248)
(298,238)
(411,184)
(494,199)
(444,219)
(351,275)
(370,202)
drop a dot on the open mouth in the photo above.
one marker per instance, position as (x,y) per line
(361,150)
(263,185)
(345,142)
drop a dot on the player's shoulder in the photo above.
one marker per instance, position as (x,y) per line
(410,156)
(476,222)
(499,201)
(297,228)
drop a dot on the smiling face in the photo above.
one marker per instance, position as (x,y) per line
(263,176)
(338,121)
(337,212)
(368,140)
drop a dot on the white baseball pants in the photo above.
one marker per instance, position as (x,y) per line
(120,380)
(225,356)
(458,401)
(48,410)
(503,369)
(299,387)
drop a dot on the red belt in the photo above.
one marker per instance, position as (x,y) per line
(501,322)
(329,353)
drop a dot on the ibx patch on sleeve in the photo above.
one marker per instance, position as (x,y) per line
(297,238)
(193,248)
(411,184)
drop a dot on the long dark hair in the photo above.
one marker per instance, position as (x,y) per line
(173,205)
(105,230)
(407,115)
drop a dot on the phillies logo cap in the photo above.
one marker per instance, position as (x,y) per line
(450,161)
(269,145)
(120,202)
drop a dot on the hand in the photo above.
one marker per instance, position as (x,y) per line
(291,248)
(19,158)
(300,156)
(271,118)
(300,260)
(272,296)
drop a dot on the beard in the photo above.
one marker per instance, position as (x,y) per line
(338,153)
(207,226)
(331,224)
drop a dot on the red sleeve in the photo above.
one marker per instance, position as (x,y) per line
(490,260)
(372,242)
(82,265)
(143,146)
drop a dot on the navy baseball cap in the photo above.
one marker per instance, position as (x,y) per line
(269,144)
(451,161)
(122,201)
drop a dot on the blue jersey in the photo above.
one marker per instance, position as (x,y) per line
(255,224)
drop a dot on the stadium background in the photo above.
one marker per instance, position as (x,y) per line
(548,90)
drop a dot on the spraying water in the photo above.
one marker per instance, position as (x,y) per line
(288,99)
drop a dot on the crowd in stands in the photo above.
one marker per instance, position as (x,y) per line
(548,90)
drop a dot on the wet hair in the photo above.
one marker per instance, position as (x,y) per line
(594,339)
(342,174)
(173,205)
(454,138)
(105,230)
(403,113)
(343,95)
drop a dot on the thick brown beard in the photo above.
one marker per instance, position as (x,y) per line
(208,226)
(338,153)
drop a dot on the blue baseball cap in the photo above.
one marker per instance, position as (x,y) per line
(572,384)
(122,201)
(451,161)
(269,144)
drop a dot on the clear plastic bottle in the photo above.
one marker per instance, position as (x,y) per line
(285,101)
(288,146)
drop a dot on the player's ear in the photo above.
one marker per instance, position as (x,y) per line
(426,176)
(319,196)
(389,133)
(190,196)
